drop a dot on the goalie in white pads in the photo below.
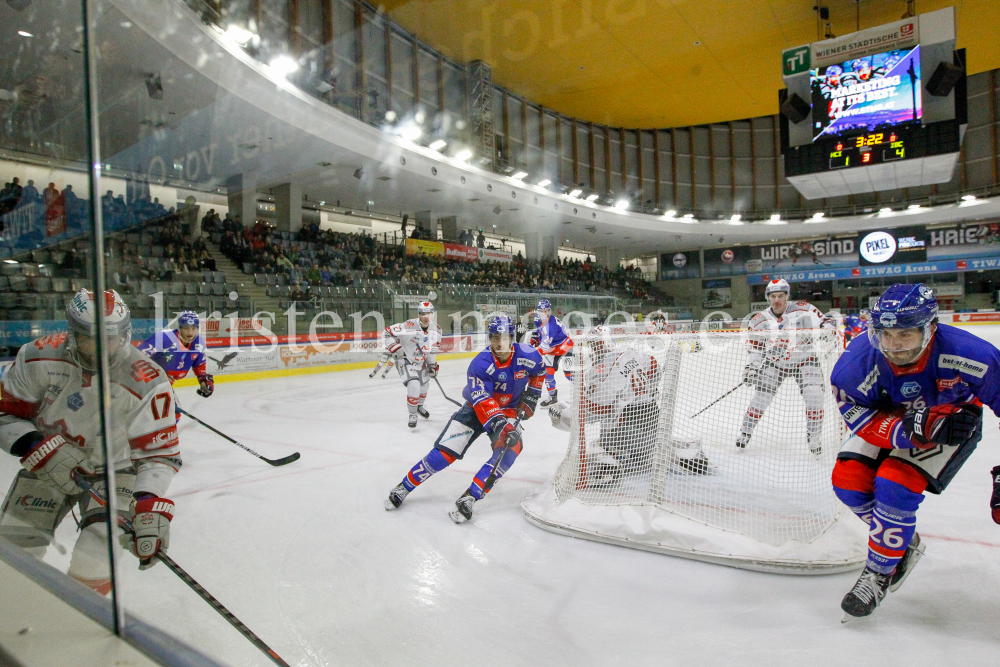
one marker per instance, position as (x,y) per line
(781,347)
(50,419)
(621,393)
(414,343)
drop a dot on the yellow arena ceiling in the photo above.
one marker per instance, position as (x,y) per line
(659,63)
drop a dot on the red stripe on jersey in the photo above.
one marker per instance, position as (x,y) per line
(165,438)
(175,375)
(486,409)
(562,348)
(888,553)
(14,406)
(878,431)
(536,382)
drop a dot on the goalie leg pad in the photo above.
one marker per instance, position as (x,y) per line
(30,513)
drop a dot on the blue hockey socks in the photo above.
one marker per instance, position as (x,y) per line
(893,523)
(479,482)
(435,461)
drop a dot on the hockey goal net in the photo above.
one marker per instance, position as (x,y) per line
(654,458)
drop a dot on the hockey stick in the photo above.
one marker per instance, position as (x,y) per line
(275,462)
(189,580)
(492,478)
(444,394)
(718,399)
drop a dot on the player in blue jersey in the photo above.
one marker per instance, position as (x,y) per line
(864,317)
(503,387)
(553,343)
(180,350)
(852,327)
(911,392)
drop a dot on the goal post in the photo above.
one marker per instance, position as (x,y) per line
(649,467)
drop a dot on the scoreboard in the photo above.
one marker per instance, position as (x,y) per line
(879,109)
(872,148)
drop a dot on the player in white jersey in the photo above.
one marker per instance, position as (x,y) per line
(414,343)
(621,392)
(50,419)
(781,347)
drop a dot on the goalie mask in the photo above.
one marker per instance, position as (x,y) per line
(81,317)
(903,322)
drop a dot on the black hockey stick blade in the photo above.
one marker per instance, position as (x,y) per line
(444,394)
(717,400)
(190,581)
(274,462)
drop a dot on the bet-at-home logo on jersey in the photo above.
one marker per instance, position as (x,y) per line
(795,61)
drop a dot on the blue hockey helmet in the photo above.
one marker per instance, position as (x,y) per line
(544,304)
(501,324)
(902,322)
(188,319)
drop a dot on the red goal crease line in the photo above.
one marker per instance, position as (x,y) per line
(959,539)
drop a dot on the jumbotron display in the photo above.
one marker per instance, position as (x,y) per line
(878,109)
(873,95)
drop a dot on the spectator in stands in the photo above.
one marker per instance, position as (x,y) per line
(30,194)
(481,240)
(50,194)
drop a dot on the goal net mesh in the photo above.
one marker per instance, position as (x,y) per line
(657,419)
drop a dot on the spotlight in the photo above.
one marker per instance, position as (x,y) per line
(736,217)
(358,173)
(671,213)
(968,197)
(688,216)
(621,204)
(463,155)
(775,216)
(283,66)
(239,35)
(818,214)
(390,116)
(24,33)
(575,192)
(519,175)
(887,209)
(438,145)
(542,183)
(592,198)
(411,133)
(913,207)
(154,87)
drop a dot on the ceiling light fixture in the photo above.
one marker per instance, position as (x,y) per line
(519,175)
(438,144)
(592,198)
(463,155)
(621,204)
(544,182)
(283,66)
(818,214)
(575,193)
(968,197)
(24,33)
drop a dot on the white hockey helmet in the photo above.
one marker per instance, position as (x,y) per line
(81,318)
(425,307)
(778,285)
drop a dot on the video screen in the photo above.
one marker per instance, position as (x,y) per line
(877,92)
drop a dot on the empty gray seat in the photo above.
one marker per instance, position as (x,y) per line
(204,289)
(177,287)
(18,283)
(191,289)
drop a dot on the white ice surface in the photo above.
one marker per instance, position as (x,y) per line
(308,558)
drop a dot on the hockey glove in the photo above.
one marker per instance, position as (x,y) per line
(207,383)
(750,374)
(942,424)
(151,525)
(526,408)
(432,370)
(53,461)
(505,434)
(394,349)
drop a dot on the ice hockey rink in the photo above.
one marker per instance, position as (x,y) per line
(307,557)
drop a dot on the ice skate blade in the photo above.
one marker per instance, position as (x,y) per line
(456,516)
(389,506)
(914,559)
(848,618)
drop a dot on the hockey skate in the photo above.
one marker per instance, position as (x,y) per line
(552,399)
(396,497)
(422,411)
(741,442)
(463,508)
(866,595)
(412,423)
(906,564)
(814,447)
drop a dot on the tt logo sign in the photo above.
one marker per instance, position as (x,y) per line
(795,61)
